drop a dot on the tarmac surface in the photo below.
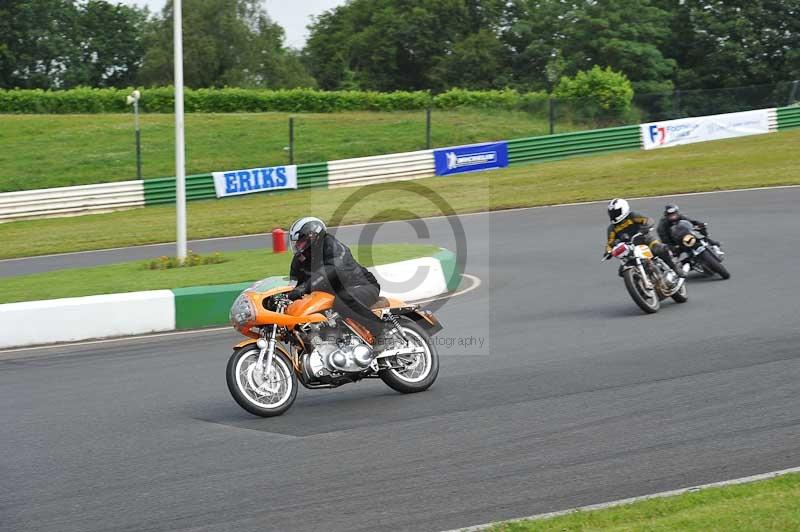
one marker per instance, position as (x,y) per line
(555,391)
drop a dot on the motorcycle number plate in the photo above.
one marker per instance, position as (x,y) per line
(644,252)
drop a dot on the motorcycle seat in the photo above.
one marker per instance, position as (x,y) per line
(382,302)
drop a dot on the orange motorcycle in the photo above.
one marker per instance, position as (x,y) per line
(307,342)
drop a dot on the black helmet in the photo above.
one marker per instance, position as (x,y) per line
(672,213)
(305,232)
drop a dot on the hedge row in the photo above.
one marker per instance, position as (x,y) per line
(231,100)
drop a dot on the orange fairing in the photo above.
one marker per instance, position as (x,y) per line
(310,304)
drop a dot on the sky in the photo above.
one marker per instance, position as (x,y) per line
(293,15)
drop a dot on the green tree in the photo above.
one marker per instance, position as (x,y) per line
(626,35)
(110,45)
(38,43)
(225,44)
(401,44)
(725,44)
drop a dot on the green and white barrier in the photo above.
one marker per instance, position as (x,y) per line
(398,166)
(83,318)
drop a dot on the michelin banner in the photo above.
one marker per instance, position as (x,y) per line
(471,158)
(237,182)
(703,128)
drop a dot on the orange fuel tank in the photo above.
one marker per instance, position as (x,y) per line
(313,303)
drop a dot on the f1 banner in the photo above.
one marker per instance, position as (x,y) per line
(471,158)
(237,182)
(703,128)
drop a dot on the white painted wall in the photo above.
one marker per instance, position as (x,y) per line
(81,318)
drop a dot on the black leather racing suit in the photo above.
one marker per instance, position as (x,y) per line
(639,223)
(665,233)
(328,266)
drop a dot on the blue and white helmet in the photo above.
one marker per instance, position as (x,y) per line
(305,231)
(618,210)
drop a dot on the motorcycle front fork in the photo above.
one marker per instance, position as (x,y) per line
(266,345)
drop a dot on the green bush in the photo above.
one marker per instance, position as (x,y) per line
(600,95)
(491,99)
(232,100)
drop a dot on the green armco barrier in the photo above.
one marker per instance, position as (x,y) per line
(788,117)
(551,147)
(204,306)
(312,175)
(162,190)
(201,186)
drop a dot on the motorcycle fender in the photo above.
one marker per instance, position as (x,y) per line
(244,343)
(699,249)
(426,320)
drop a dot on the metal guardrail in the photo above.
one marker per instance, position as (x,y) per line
(380,169)
(788,117)
(70,201)
(563,145)
(161,191)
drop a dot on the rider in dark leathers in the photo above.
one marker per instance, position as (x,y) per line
(626,223)
(322,263)
(672,215)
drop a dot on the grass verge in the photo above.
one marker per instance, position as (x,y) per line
(769,505)
(765,160)
(85,149)
(239,267)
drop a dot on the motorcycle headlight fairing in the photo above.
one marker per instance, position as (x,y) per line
(242,310)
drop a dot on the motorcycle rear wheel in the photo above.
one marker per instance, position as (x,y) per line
(422,372)
(265,394)
(648,302)
(681,296)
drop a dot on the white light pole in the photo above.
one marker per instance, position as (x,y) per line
(133,99)
(180,156)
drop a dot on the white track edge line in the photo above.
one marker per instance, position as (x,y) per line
(476,282)
(622,502)
(481,213)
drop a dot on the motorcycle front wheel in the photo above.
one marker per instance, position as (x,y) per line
(712,263)
(264,392)
(647,300)
(419,371)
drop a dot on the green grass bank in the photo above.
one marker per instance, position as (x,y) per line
(44,151)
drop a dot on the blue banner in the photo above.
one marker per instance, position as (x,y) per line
(471,158)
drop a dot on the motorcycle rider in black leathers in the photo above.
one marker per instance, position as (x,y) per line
(322,263)
(626,223)
(672,215)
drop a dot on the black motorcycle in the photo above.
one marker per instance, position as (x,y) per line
(695,252)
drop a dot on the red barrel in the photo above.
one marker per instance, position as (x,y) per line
(278,240)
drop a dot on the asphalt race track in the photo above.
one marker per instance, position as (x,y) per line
(575,397)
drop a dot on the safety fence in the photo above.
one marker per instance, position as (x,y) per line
(380,169)
(86,199)
(71,201)
(788,117)
(571,144)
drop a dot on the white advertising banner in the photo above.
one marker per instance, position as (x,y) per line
(703,128)
(237,182)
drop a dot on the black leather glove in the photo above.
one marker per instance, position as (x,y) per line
(296,293)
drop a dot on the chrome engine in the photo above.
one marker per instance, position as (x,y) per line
(335,351)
